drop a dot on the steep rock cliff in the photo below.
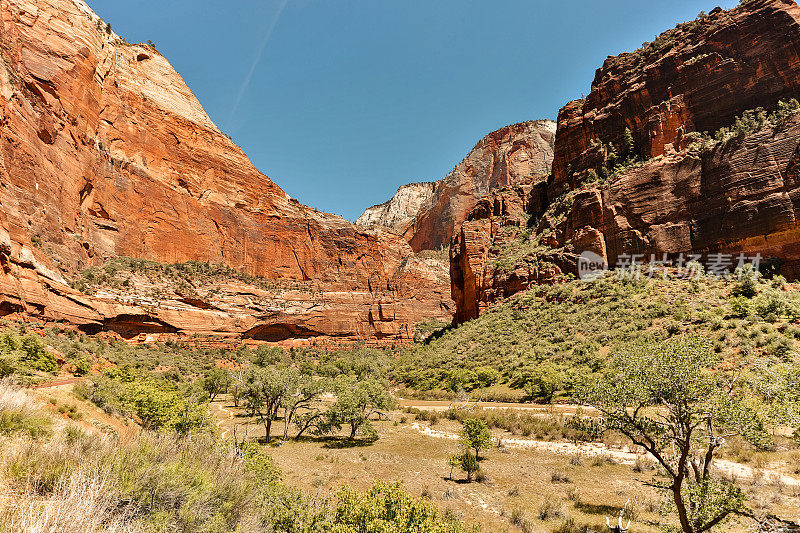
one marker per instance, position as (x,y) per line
(696,77)
(105,152)
(399,212)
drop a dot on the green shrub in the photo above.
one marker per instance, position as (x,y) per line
(18,421)
(36,356)
(388,507)
(740,306)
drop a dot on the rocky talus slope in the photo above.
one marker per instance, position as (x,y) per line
(688,193)
(508,156)
(105,152)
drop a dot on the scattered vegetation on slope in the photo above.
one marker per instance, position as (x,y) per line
(59,477)
(545,340)
(182,278)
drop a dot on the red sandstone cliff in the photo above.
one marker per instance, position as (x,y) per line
(508,156)
(738,195)
(105,152)
(489,253)
(696,77)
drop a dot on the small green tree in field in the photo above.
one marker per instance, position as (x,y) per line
(264,390)
(468,463)
(670,399)
(453,461)
(356,401)
(476,436)
(300,404)
(216,382)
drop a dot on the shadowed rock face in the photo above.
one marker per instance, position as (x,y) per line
(510,155)
(696,77)
(740,196)
(480,273)
(105,152)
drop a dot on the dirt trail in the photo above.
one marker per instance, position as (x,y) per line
(444,405)
(58,383)
(228,415)
(622,456)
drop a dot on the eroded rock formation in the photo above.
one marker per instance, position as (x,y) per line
(399,212)
(105,152)
(508,156)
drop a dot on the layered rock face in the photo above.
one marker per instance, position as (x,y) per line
(511,155)
(399,212)
(105,152)
(696,77)
(481,271)
(740,195)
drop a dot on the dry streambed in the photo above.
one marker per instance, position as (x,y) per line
(623,456)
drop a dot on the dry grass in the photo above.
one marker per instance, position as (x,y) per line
(14,398)
(79,503)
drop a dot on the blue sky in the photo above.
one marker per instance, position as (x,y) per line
(342,101)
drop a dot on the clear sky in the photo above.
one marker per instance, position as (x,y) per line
(342,101)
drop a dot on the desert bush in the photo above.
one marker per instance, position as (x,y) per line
(550,508)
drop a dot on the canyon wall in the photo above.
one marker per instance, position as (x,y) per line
(399,212)
(696,77)
(105,152)
(737,194)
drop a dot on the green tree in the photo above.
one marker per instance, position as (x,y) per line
(544,382)
(628,143)
(36,355)
(468,463)
(216,382)
(747,282)
(10,344)
(458,379)
(264,390)
(157,408)
(666,398)
(453,461)
(486,376)
(356,401)
(302,395)
(475,435)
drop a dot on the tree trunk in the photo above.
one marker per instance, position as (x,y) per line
(287,418)
(353,429)
(681,506)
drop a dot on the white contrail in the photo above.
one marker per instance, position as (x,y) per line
(257,59)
